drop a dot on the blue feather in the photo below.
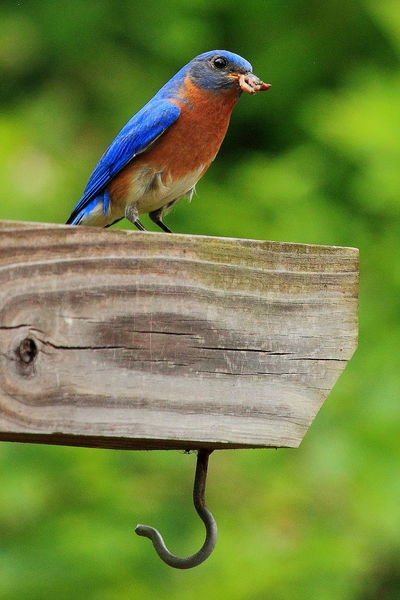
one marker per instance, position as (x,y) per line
(106,201)
(136,136)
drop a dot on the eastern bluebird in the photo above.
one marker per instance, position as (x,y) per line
(166,147)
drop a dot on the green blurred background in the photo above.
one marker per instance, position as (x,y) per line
(316,159)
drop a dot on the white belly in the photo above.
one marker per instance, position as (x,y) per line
(150,191)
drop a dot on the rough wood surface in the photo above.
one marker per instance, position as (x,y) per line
(146,340)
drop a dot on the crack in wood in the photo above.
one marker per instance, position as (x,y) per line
(258,350)
(318,358)
(11,327)
(94,348)
(272,373)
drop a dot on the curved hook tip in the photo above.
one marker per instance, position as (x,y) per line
(141,529)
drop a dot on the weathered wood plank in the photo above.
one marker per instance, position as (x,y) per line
(147,340)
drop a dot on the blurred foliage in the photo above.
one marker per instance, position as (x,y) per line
(316,160)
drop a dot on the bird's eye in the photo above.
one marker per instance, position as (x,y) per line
(220,62)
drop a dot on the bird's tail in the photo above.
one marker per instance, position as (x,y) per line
(93,212)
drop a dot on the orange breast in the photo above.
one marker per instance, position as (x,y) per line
(195,138)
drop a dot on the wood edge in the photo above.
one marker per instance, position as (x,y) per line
(123,443)
(10,224)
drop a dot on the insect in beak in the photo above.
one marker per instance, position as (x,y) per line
(250,83)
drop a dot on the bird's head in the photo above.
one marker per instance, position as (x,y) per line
(222,70)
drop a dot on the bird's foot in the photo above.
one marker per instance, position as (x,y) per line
(132,215)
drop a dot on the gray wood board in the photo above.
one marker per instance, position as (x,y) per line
(152,340)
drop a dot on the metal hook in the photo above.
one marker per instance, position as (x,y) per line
(199,489)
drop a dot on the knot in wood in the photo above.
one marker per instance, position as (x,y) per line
(27,351)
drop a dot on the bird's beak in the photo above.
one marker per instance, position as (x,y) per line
(250,83)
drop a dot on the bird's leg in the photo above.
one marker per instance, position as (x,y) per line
(156,217)
(132,215)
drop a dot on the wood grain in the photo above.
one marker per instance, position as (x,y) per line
(144,340)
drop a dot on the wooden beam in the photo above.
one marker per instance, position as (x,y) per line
(148,340)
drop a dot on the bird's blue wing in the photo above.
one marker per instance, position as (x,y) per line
(138,134)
